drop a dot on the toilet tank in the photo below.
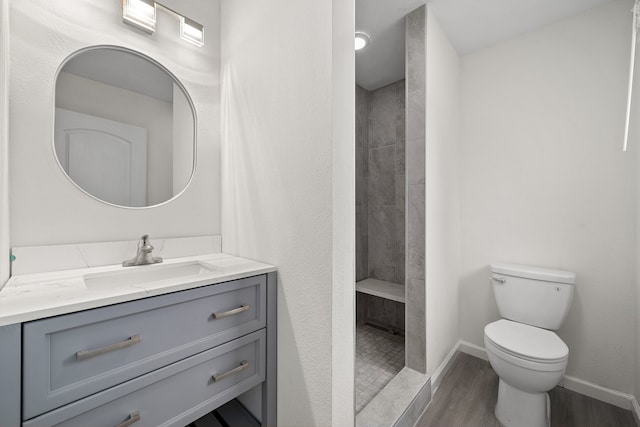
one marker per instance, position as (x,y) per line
(536,296)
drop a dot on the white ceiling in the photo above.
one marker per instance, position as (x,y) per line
(470,25)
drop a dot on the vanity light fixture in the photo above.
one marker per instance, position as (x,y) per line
(361,41)
(191,31)
(142,15)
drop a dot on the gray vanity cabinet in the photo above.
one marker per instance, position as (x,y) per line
(165,360)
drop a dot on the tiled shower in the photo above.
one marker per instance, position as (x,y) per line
(380,235)
(390,222)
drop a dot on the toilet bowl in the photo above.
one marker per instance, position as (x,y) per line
(522,348)
(529,361)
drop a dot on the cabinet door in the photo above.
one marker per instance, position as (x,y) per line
(172,396)
(69,357)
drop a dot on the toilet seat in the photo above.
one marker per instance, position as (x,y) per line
(526,346)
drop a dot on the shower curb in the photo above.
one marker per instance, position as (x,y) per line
(400,403)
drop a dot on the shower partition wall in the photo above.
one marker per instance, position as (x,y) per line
(416,349)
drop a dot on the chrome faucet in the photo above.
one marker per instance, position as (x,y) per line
(144,256)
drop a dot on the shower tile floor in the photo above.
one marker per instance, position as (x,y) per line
(379,357)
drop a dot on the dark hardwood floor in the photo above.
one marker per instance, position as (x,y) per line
(467,397)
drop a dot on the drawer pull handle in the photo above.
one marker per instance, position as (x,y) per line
(243,365)
(132,418)
(238,310)
(86,354)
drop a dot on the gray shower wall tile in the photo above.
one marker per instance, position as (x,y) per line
(383,272)
(415,161)
(401,157)
(400,237)
(415,177)
(385,312)
(363,100)
(415,48)
(382,176)
(400,128)
(415,232)
(381,184)
(415,338)
(360,158)
(386,243)
(416,115)
(362,195)
(381,240)
(382,117)
(401,191)
(362,245)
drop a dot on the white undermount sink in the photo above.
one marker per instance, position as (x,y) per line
(147,274)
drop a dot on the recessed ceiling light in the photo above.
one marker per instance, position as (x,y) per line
(361,40)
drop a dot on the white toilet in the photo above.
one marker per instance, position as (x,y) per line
(528,357)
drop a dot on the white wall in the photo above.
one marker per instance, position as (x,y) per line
(4,142)
(343,127)
(288,180)
(97,99)
(544,181)
(45,207)
(634,150)
(443,120)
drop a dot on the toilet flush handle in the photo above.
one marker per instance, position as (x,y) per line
(499,279)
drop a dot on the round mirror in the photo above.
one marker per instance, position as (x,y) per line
(124,129)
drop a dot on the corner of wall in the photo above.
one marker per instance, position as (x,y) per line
(4,139)
(343,104)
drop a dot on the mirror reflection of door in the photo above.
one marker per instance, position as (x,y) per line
(105,158)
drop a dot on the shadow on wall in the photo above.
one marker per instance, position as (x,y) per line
(250,228)
(239,138)
(302,408)
(575,322)
(477,286)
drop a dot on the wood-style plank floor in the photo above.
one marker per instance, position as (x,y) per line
(467,397)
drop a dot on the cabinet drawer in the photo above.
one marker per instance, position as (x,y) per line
(69,357)
(171,396)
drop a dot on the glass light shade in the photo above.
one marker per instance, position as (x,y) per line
(140,14)
(191,31)
(361,41)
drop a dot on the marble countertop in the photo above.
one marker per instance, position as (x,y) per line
(35,296)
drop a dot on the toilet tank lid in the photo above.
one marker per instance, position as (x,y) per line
(537,273)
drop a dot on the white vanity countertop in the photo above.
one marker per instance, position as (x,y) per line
(36,296)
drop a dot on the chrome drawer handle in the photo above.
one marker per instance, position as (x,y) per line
(132,418)
(243,365)
(86,354)
(238,310)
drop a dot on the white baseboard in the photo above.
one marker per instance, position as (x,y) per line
(460,346)
(473,350)
(443,368)
(613,397)
(635,409)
